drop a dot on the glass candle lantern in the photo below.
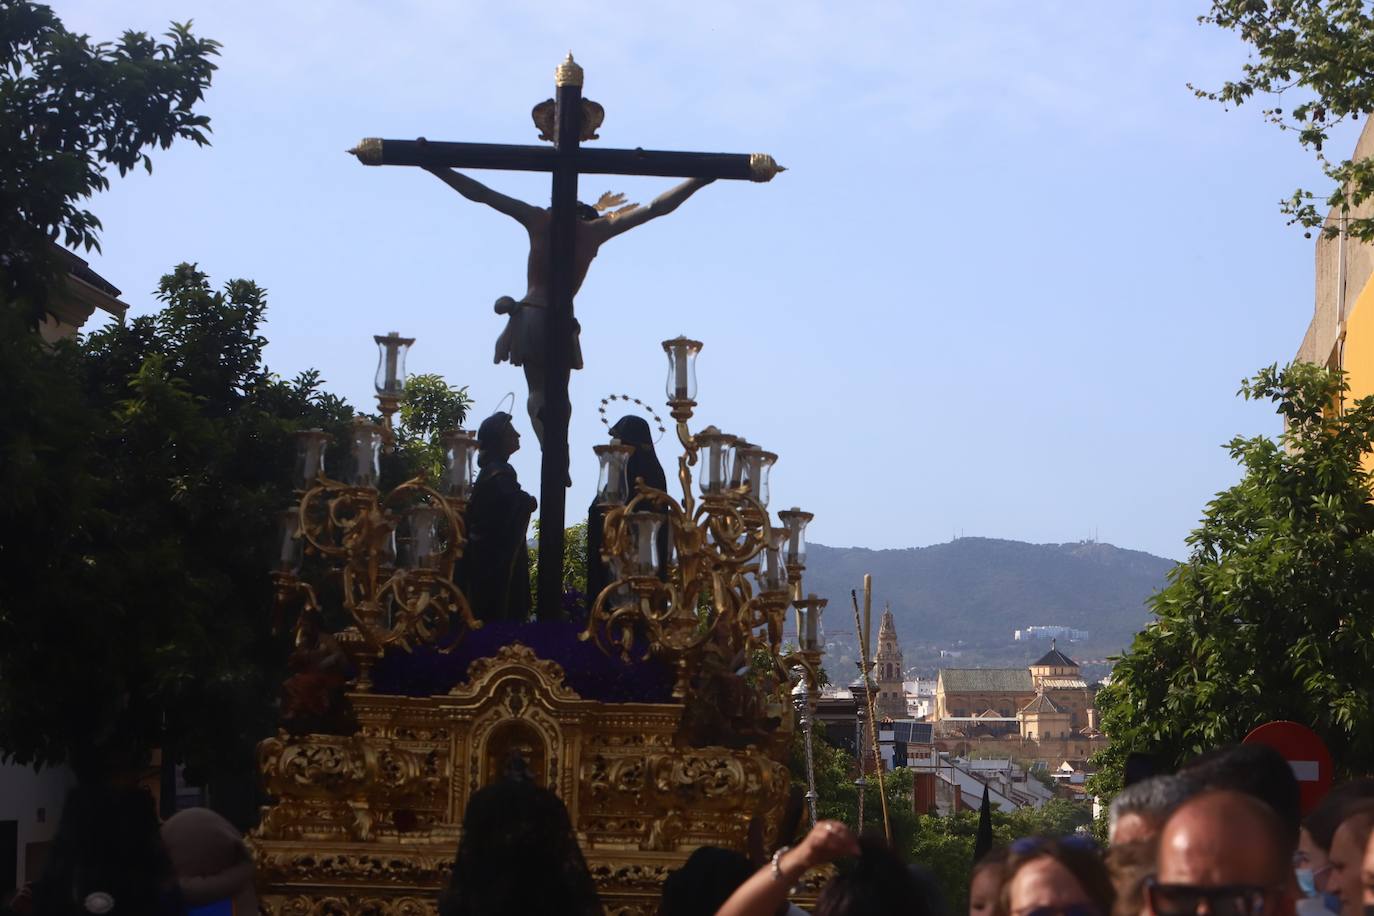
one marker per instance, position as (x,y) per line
(682,368)
(717,451)
(612,487)
(618,595)
(794,521)
(425,544)
(813,622)
(309,465)
(460,452)
(291,548)
(772,571)
(643,560)
(752,466)
(740,470)
(391,363)
(760,468)
(387,555)
(365,453)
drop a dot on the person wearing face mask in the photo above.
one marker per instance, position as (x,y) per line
(1311,862)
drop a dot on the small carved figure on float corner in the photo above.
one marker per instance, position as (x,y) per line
(313,697)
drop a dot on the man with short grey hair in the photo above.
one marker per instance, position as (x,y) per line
(1139,811)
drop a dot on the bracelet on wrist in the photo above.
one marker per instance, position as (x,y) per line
(777,863)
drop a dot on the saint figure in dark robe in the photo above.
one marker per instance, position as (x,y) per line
(496,571)
(643,465)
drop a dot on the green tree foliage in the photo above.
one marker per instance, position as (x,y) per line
(1272,615)
(430,407)
(1313,62)
(139,497)
(70,110)
(574,563)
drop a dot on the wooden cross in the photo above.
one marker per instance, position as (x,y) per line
(567,120)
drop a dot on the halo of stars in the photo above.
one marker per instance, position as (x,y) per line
(611,398)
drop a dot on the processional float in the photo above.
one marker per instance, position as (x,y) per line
(662,714)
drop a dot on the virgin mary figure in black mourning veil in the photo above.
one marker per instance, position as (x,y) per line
(634,431)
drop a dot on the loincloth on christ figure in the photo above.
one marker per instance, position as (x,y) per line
(526,334)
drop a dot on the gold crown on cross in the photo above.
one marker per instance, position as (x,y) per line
(568,73)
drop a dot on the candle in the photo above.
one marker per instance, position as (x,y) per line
(365,450)
(680,372)
(801,627)
(813,612)
(646,551)
(391,385)
(291,546)
(793,523)
(737,472)
(714,459)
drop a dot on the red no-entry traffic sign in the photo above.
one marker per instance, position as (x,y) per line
(1305,752)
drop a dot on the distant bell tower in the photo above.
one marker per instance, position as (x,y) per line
(891,700)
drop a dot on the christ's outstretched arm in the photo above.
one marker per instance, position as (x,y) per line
(473,190)
(661,205)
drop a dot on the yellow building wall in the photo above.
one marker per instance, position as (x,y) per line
(1359,344)
(1358,356)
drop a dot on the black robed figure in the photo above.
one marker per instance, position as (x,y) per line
(496,560)
(643,465)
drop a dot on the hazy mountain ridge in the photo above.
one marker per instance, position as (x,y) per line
(978,591)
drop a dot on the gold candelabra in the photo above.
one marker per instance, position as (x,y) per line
(725,574)
(394,552)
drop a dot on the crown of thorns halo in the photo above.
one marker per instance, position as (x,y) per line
(611,398)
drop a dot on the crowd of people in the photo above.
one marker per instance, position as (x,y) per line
(1225,836)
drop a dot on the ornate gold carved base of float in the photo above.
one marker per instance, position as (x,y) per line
(368,823)
(366,818)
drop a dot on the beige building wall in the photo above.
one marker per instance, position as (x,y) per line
(972,704)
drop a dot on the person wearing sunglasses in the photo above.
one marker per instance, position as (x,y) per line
(1055,877)
(1223,853)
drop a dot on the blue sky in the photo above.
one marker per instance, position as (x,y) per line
(1008,286)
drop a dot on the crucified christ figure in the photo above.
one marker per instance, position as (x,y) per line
(525,336)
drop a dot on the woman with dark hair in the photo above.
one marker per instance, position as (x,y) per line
(1055,877)
(880,883)
(518,856)
(107,858)
(705,881)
